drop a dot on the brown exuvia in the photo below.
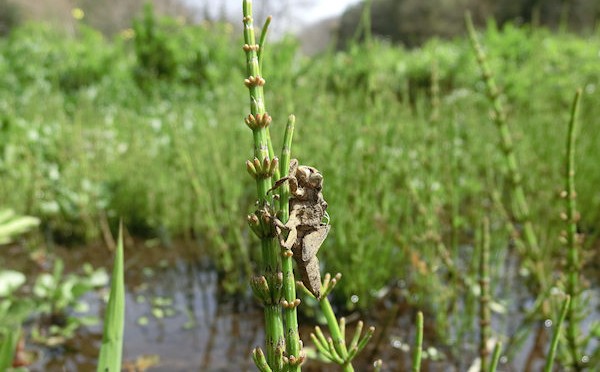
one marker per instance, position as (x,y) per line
(305,224)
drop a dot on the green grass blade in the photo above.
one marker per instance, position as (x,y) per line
(114,319)
(7,351)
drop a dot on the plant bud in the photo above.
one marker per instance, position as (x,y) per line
(273,167)
(257,166)
(260,288)
(251,168)
(266,165)
(250,121)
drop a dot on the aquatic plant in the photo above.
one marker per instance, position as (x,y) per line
(114,319)
(12,225)
(276,287)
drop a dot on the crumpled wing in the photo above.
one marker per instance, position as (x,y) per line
(311,276)
(312,242)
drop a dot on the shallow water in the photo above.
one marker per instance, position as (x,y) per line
(177,321)
(172,311)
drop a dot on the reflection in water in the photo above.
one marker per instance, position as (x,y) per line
(173,311)
(175,294)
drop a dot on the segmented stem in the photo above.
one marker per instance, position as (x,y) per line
(484,299)
(290,315)
(521,211)
(573,264)
(262,150)
(417,354)
(336,334)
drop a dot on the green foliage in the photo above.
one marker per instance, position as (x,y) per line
(13,310)
(61,293)
(58,299)
(7,349)
(55,302)
(153,47)
(166,51)
(398,182)
(112,338)
(38,53)
(11,225)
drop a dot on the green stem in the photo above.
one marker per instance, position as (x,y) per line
(484,299)
(262,41)
(573,264)
(289,282)
(521,211)
(263,149)
(416,367)
(495,357)
(556,335)
(336,333)
(286,154)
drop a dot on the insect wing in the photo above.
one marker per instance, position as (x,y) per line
(311,276)
(313,241)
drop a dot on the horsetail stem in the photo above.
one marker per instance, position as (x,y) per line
(335,348)
(495,357)
(556,336)
(334,329)
(293,346)
(521,210)
(259,121)
(573,262)
(259,360)
(484,298)
(286,154)
(262,41)
(417,354)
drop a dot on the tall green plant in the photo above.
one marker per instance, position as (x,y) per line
(573,285)
(114,321)
(521,210)
(8,348)
(276,286)
(267,287)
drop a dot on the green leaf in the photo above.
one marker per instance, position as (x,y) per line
(7,350)
(114,320)
(10,281)
(44,285)
(11,225)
